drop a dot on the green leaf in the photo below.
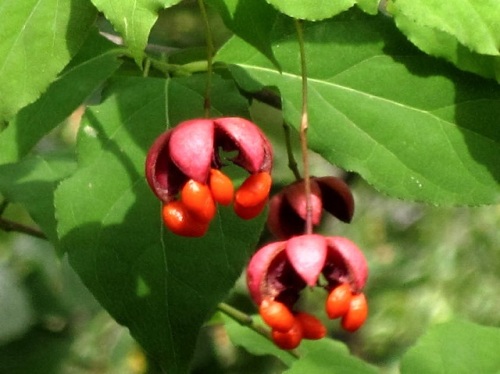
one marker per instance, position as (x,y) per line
(37,39)
(32,182)
(475,24)
(133,20)
(312,10)
(368,6)
(62,97)
(328,356)
(315,10)
(413,127)
(441,44)
(455,347)
(255,343)
(252,21)
(161,286)
(318,356)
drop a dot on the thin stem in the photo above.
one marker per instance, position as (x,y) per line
(179,70)
(246,320)
(292,164)
(147,66)
(304,124)
(210,52)
(8,226)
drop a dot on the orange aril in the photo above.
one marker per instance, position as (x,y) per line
(221,187)
(178,220)
(198,199)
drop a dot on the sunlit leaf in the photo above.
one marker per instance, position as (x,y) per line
(368,6)
(97,62)
(312,10)
(475,24)
(439,40)
(133,20)
(37,39)
(436,142)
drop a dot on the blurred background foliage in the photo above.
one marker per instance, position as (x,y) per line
(427,265)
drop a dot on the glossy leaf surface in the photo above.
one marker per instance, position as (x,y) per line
(26,67)
(435,142)
(464,33)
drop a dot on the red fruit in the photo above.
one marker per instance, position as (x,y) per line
(276,315)
(178,219)
(221,187)
(356,316)
(290,339)
(312,328)
(198,199)
(338,301)
(254,190)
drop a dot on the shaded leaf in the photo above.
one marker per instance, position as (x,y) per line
(161,286)
(454,347)
(42,351)
(133,20)
(27,67)
(252,21)
(436,142)
(254,343)
(62,97)
(32,182)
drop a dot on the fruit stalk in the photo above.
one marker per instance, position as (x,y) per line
(304,124)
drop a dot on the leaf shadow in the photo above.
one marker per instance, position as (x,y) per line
(252,21)
(475,115)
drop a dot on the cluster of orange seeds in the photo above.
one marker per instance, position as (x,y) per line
(288,328)
(191,214)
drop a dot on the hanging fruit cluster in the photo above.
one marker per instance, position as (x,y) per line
(183,168)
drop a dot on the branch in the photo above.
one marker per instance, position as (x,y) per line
(11,226)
